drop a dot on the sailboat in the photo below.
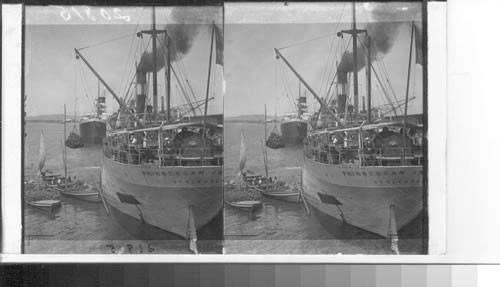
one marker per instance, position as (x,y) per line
(246,205)
(265,185)
(162,171)
(42,157)
(361,170)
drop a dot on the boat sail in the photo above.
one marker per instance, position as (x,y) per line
(158,169)
(42,157)
(362,170)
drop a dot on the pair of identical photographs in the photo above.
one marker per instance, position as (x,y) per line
(243,129)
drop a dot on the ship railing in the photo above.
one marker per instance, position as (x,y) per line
(366,157)
(165,157)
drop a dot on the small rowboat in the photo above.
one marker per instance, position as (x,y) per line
(92,196)
(285,195)
(275,190)
(247,205)
(47,204)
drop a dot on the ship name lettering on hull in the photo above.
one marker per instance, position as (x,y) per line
(394,182)
(179,173)
(372,173)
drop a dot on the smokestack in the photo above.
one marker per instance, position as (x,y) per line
(341,90)
(140,91)
(180,40)
(383,34)
(182,37)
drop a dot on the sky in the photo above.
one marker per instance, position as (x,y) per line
(54,77)
(254,76)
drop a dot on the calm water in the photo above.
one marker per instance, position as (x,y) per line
(281,227)
(85,227)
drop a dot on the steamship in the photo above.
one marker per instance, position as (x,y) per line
(93,125)
(160,167)
(360,168)
(294,125)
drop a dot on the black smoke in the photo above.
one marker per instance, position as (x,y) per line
(388,19)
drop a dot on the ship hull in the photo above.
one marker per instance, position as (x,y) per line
(293,131)
(362,196)
(92,131)
(162,196)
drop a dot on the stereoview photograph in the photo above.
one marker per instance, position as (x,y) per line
(325,143)
(123,147)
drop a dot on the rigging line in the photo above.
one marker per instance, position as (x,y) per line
(182,90)
(182,87)
(183,75)
(85,84)
(334,76)
(414,79)
(126,97)
(182,66)
(214,83)
(386,73)
(307,41)
(384,92)
(179,85)
(294,107)
(130,78)
(184,81)
(75,83)
(343,48)
(317,38)
(382,84)
(275,89)
(330,50)
(129,52)
(125,75)
(105,42)
(326,67)
(283,81)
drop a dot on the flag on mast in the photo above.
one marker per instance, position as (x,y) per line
(419,47)
(219,45)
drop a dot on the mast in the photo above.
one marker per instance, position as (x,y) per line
(355,61)
(155,76)
(265,137)
(153,32)
(122,105)
(208,85)
(298,102)
(407,92)
(369,77)
(354,32)
(98,95)
(323,105)
(64,149)
(167,76)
